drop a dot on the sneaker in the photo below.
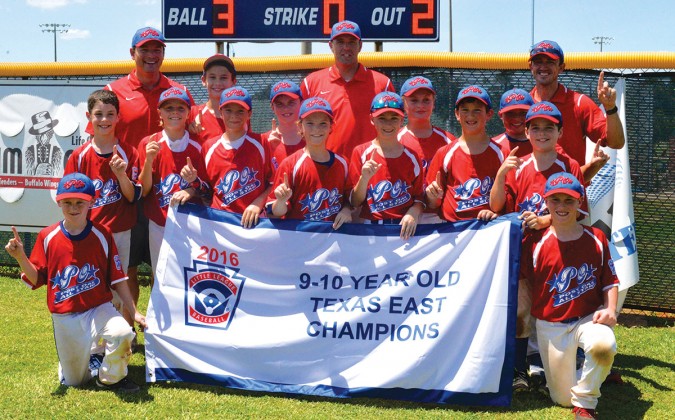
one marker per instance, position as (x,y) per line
(126,386)
(95,361)
(583,413)
(614,377)
(521,382)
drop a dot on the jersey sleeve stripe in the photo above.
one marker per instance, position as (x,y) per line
(101,239)
(50,236)
(417,168)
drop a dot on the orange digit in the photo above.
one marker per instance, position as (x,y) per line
(223,15)
(327,22)
(417,16)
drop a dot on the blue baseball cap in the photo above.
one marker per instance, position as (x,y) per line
(75,185)
(563,182)
(174,93)
(474,91)
(545,110)
(548,48)
(345,27)
(285,87)
(147,34)
(515,99)
(236,95)
(415,83)
(386,101)
(315,104)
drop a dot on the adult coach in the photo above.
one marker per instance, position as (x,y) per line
(349,87)
(138,94)
(581,116)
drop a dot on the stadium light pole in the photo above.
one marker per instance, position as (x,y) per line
(602,40)
(60,28)
(532,38)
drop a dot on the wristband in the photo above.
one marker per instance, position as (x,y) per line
(612,111)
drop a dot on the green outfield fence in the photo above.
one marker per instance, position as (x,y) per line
(650,120)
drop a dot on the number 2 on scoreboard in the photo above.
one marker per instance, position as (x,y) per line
(422,16)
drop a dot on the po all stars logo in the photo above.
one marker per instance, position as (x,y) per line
(212,294)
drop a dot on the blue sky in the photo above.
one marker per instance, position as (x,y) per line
(102,29)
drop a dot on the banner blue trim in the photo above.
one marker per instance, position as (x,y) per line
(418,395)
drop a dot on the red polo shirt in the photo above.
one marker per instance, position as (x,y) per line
(138,107)
(350,102)
(581,118)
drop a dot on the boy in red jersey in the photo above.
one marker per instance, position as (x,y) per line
(311,184)
(519,186)
(205,119)
(388,177)
(164,154)
(284,138)
(513,107)
(113,168)
(574,296)
(77,260)
(238,164)
(461,174)
(419,135)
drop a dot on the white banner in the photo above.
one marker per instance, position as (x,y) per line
(41,123)
(295,307)
(610,200)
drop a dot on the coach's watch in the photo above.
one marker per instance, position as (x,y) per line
(612,111)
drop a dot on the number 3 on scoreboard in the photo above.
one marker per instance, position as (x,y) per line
(223,17)
(422,16)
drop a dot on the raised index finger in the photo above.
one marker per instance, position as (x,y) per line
(189,163)
(438,178)
(286,180)
(16,234)
(601,80)
(114,149)
(513,151)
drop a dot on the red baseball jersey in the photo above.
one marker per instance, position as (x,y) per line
(567,278)
(524,187)
(78,270)
(212,126)
(166,167)
(238,172)
(466,179)
(319,188)
(278,149)
(110,207)
(507,144)
(394,188)
(581,118)
(138,107)
(350,102)
(427,147)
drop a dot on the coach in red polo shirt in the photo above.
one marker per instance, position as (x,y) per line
(139,91)
(349,87)
(581,116)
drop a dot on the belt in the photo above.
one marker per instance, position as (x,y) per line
(570,320)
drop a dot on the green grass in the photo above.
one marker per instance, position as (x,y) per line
(30,387)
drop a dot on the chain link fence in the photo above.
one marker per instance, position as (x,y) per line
(650,121)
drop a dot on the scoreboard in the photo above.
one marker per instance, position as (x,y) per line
(297,20)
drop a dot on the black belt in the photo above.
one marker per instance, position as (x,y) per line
(570,320)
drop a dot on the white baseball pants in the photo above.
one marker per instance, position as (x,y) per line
(558,344)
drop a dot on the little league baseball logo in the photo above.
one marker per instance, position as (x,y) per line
(212,294)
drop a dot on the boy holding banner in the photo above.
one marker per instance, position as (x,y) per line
(460,175)
(238,163)
(388,177)
(311,184)
(519,186)
(574,297)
